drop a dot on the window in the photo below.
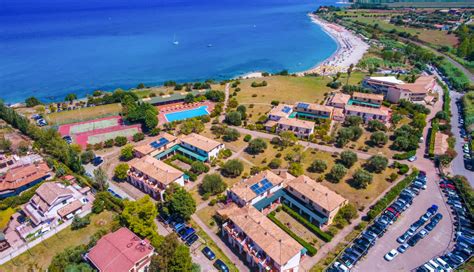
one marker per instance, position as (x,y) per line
(303,197)
(291,188)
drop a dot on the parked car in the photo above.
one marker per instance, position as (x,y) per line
(414,240)
(391,255)
(221,266)
(190,240)
(186,232)
(412,159)
(208,253)
(403,238)
(402,248)
(97,161)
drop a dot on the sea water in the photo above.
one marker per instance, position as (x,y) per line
(50,48)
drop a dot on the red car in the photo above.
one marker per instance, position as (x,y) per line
(449,186)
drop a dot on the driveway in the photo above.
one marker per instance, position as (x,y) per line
(457,166)
(437,242)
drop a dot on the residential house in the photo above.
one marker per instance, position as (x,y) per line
(266,246)
(300,128)
(280,111)
(366,100)
(381,114)
(381,84)
(22,177)
(155,145)
(121,251)
(153,176)
(339,100)
(414,92)
(316,197)
(313,111)
(200,147)
(258,187)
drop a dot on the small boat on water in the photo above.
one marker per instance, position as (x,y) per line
(209,45)
(175,42)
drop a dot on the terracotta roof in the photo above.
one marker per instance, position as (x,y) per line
(242,188)
(296,123)
(278,110)
(270,123)
(368,96)
(22,175)
(276,243)
(119,251)
(421,85)
(47,193)
(69,208)
(156,169)
(319,194)
(340,98)
(317,107)
(145,146)
(200,142)
(378,111)
(441,143)
(338,113)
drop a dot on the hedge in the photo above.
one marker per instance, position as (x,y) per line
(391,195)
(434,130)
(404,156)
(317,231)
(311,250)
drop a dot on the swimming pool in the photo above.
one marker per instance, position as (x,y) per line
(185,114)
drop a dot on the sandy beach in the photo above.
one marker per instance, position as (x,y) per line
(351,49)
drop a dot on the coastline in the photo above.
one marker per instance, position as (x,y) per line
(351,49)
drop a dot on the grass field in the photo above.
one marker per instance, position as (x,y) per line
(299,229)
(84,114)
(434,37)
(39,257)
(5,217)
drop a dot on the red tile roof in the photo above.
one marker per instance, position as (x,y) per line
(119,251)
(22,175)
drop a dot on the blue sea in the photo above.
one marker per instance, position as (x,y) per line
(49,48)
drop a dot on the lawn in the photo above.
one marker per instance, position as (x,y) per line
(5,217)
(235,146)
(206,215)
(297,228)
(210,243)
(286,89)
(39,257)
(83,114)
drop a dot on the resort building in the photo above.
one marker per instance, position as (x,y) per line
(153,176)
(264,245)
(280,111)
(414,92)
(22,177)
(366,99)
(121,251)
(338,115)
(300,128)
(316,197)
(155,145)
(258,187)
(381,114)
(381,84)
(201,147)
(313,111)
(339,100)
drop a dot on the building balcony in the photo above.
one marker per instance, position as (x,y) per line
(145,181)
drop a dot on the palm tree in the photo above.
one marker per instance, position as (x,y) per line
(349,71)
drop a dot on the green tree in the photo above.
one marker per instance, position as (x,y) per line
(287,138)
(377,164)
(172,256)
(120,140)
(233,118)
(32,101)
(70,97)
(80,222)
(230,135)
(138,136)
(215,96)
(318,166)
(243,111)
(179,202)
(87,156)
(213,184)
(348,212)
(191,126)
(120,171)
(296,169)
(348,158)
(275,163)
(189,98)
(139,216)
(151,120)
(232,168)
(69,257)
(376,125)
(5,144)
(361,179)
(199,167)
(344,135)
(337,172)
(353,121)
(379,138)
(100,179)
(256,146)
(141,86)
(126,153)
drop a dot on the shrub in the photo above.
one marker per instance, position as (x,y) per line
(348,158)
(232,168)
(337,172)
(138,136)
(109,143)
(247,138)
(256,146)
(275,163)
(120,141)
(314,229)
(404,156)
(79,223)
(213,184)
(317,166)
(199,167)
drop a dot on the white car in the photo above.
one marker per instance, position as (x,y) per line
(391,255)
(412,159)
(423,233)
(341,266)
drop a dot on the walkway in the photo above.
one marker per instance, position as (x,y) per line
(222,117)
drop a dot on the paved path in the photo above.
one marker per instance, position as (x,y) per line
(458,165)
(234,258)
(227,88)
(437,242)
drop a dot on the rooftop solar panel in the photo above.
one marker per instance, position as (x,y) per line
(286,109)
(303,105)
(159,143)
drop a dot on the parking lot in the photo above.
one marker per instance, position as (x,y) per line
(435,243)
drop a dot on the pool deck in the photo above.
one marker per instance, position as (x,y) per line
(181,107)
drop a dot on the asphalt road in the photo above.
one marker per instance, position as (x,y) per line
(457,165)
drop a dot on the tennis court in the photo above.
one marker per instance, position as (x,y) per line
(102,135)
(81,127)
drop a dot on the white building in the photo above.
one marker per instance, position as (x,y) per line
(300,128)
(381,114)
(280,111)
(202,145)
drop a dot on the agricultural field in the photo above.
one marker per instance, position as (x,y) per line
(83,114)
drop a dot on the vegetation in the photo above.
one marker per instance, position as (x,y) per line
(361,178)
(377,164)
(213,184)
(32,101)
(337,172)
(173,256)
(348,158)
(232,168)
(142,112)
(318,166)
(100,179)
(178,202)
(126,153)
(256,146)
(317,231)
(465,190)
(120,171)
